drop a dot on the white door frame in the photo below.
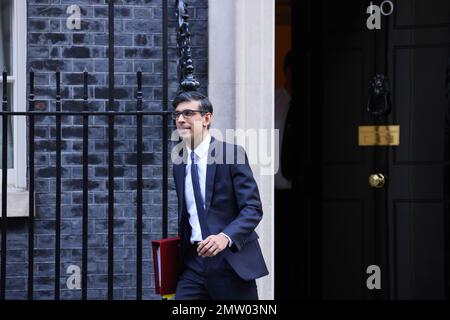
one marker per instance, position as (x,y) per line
(241,88)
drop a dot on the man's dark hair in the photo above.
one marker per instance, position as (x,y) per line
(186,96)
(287,61)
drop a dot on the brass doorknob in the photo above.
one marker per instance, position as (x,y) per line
(376,180)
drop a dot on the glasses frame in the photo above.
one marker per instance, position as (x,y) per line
(176,114)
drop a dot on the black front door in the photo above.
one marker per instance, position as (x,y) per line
(353,227)
(418,56)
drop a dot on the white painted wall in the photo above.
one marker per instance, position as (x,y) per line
(241,86)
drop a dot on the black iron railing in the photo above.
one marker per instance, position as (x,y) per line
(187,82)
(85,114)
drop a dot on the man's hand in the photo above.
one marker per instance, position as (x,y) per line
(212,245)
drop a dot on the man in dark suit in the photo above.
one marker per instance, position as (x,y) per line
(219,209)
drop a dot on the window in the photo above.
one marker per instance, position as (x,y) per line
(13,59)
(13,52)
(6,62)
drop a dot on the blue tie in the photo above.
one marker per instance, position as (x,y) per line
(198,197)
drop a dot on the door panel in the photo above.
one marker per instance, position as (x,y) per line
(339,125)
(419,250)
(421,13)
(418,56)
(344,246)
(421,103)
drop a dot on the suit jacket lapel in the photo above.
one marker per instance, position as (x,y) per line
(210,174)
(180,172)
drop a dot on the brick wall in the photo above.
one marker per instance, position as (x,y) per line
(138,42)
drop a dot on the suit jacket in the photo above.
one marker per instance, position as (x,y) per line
(232,203)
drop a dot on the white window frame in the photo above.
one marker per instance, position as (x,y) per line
(17,175)
(17,194)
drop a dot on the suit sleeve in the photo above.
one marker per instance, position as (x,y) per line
(247,199)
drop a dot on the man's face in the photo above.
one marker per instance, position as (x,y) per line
(193,124)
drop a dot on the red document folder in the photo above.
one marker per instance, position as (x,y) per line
(166,264)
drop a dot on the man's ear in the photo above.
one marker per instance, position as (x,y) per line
(208,118)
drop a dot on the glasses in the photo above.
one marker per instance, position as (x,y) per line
(187,113)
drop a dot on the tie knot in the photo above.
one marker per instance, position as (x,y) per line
(193,156)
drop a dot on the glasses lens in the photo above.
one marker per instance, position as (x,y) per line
(188,113)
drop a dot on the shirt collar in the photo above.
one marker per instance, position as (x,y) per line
(202,149)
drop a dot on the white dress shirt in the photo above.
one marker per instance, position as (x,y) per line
(201,156)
